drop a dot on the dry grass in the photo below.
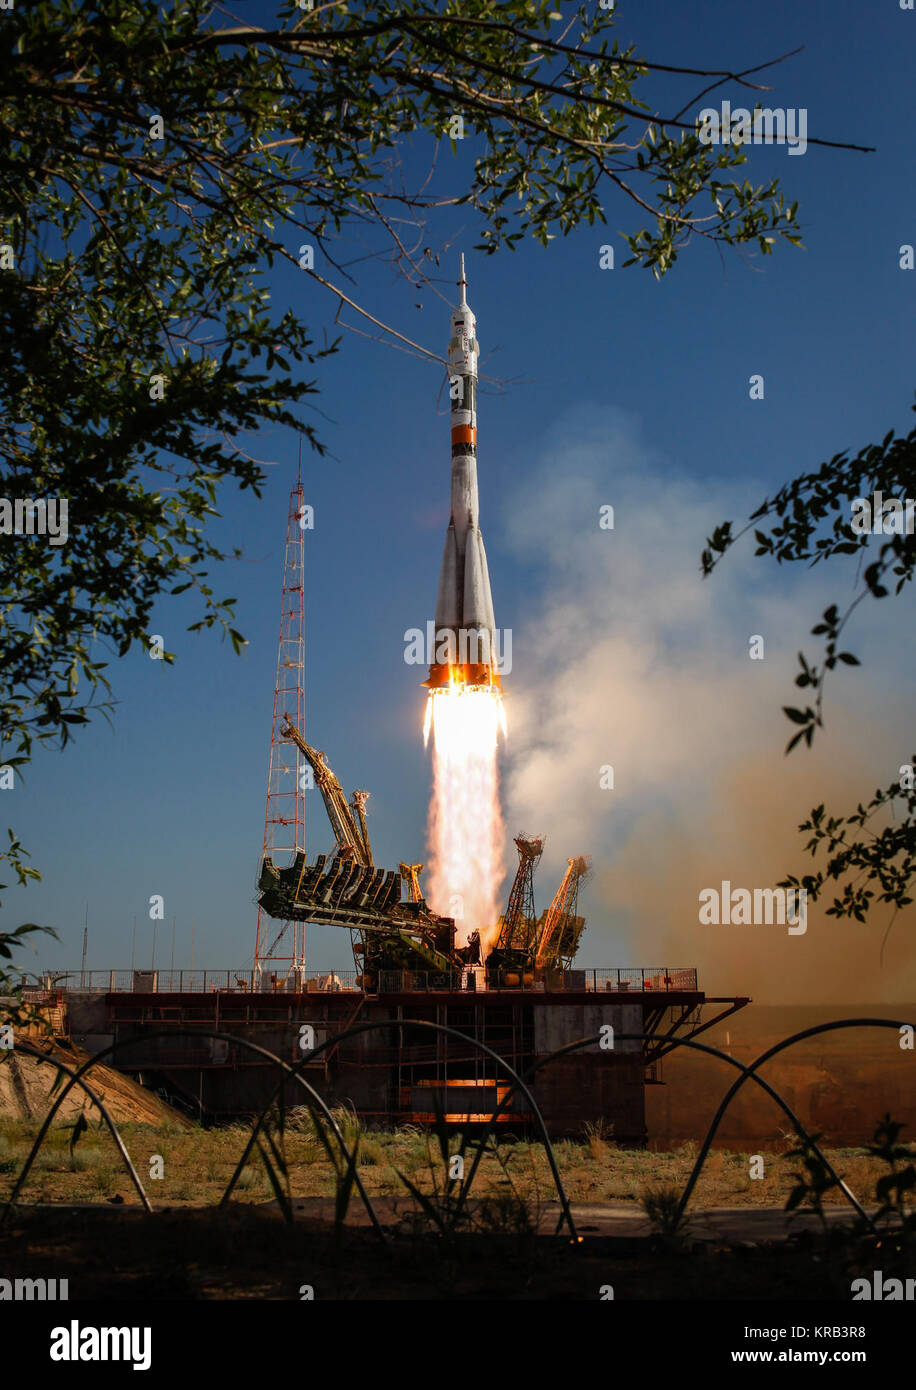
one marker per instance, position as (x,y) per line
(199,1163)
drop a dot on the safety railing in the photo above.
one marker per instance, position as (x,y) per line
(634,980)
(196,982)
(655,979)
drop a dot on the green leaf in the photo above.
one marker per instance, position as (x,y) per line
(79,1129)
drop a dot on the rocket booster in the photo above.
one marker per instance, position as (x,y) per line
(465,625)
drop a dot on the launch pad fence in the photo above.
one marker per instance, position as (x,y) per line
(654,979)
(517,1084)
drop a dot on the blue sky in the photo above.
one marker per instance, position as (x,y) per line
(616,387)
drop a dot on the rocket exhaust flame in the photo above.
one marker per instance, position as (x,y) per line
(464,708)
(466,831)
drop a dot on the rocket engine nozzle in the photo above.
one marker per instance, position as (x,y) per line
(472,675)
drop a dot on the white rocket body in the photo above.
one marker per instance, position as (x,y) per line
(465,603)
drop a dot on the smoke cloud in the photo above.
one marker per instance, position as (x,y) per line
(629,660)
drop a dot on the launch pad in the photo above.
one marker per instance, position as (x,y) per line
(506,995)
(394,1073)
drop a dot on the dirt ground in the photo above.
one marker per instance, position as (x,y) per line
(109,1248)
(250,1253)
(26,1083)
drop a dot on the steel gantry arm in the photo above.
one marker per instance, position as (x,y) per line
(561,909)
(347,830)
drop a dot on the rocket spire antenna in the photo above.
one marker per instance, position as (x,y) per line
(462,284)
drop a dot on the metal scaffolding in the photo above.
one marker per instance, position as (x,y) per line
(288,773)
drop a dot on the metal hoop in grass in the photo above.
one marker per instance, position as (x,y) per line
(517,1084)
(517,1081)
(76,1079)
(750,1071)
(698,1047)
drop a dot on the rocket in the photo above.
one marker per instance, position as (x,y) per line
(465,627)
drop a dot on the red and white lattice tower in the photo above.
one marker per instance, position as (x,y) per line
(279,943)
